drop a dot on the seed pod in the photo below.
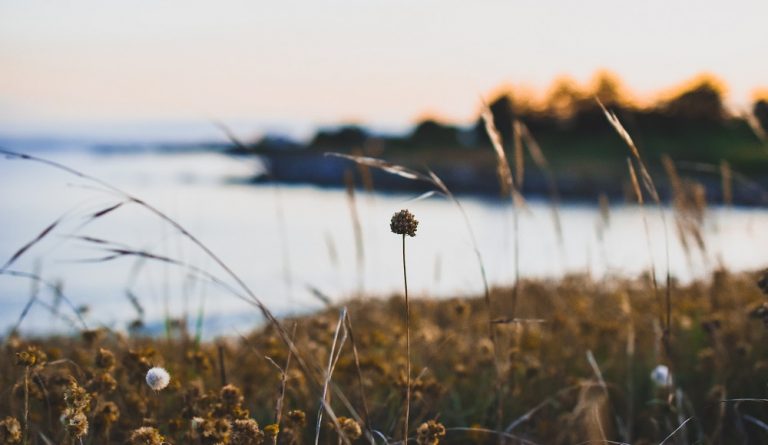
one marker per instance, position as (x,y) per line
(404,223)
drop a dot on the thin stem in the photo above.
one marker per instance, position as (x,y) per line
(407,351)
(26,405)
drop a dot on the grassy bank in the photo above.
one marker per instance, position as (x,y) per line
(575,367)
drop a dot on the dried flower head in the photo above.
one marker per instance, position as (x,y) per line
(404,223)
(146,436)
(158,378)
(231,395)
(272,430)
(10,431)
(296,418)
(105,359)
(246,432)
(350,428)
(429,433)
(75,423)
(106,415)
(661,376)
(30,357)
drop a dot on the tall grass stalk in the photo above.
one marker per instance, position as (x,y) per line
(349,181)
(648,184)
(339,337)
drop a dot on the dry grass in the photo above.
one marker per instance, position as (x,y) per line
(720,354)
(567,362)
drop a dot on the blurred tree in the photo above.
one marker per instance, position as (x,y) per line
(430,133)
(701,101)
(760,110)
(563,97)
(343,138)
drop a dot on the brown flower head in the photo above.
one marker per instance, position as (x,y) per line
(350,428)
(146,436)
(272,430)
(404,223)
(75,423)
(296,418)
(105,359)
(10,431)
(246,432)
(429,433)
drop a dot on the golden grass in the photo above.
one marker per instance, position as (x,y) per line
(585,369)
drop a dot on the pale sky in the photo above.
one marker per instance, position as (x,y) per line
(95,65)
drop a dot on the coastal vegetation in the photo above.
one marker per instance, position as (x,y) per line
(573,360)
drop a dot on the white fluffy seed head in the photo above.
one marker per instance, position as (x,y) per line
(158,378)
(661,376)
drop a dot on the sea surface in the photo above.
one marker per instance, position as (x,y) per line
(295,246)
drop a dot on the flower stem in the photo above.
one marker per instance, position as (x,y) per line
(407,351)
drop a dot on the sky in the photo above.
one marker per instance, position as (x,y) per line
(167,69)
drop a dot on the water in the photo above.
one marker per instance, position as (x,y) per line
(289,242)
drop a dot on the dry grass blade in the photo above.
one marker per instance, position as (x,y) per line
(423,196)
(755,421)
(284,381)
(333,358)
(650,187)
(635,184)
(366,414)
(230,135)
(105,211)
(357,229)
(744,400)
(758,129)
(648,239)
(31,243)
(644,175)
(320,295)
(502,165)
(519,155)
(508,187)
(397,170)
(727,182)
(549,401)
(675,431)
(56,289)
(614,121)
(537,154)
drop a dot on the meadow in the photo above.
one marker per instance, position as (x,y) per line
(643,360)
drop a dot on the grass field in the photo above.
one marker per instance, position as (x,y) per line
(578,370)
(573,360)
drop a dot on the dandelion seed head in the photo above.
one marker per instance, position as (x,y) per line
(661,376)
(158,378)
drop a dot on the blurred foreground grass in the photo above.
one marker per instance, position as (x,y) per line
(576,367)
